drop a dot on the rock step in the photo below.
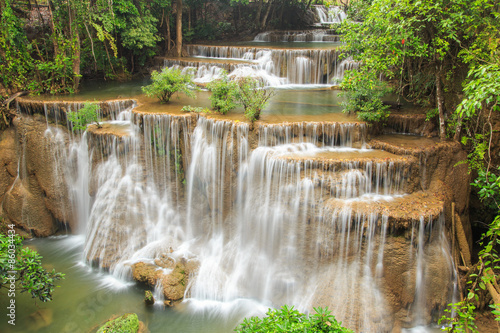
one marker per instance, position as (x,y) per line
(402,211)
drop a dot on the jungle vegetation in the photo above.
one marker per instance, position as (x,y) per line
(440,54)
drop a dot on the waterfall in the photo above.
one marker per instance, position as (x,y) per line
(275,67)
(332,15)
(295,213)
(316,35)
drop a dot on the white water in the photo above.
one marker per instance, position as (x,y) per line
(274,67)
(316,35)
(266,225)
(332,15)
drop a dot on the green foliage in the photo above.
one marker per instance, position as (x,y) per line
(15,59)
(431,114)
(488,185)
(88,114)
(289,320)
(128,323)
(421,46)
(464,318)
(253,97)
(30,276)
(168,82)
(224,95)
(364,91)
(140,33)
(481,91)
(196,109)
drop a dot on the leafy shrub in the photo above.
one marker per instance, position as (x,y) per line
(88,114)
(253,97)
(31,277)
(289,320)
(463,319)
(128,323)
(197,109)
(364,92)
(168,82)
(224,95)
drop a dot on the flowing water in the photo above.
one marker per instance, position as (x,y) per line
(286,213)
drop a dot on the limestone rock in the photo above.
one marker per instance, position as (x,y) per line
(172,274)
(41,318)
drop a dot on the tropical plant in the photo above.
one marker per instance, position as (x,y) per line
(364,91)
(224,95)
(29,275)
(289,320)
(88,114)
(168,82)
(420,45)
(253,97)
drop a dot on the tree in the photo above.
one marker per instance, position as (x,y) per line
(88,114)
(364,91)
(253,97)
(289,320)
(168,82)
(21,269)
(179,28)
(416,45)
(224,95)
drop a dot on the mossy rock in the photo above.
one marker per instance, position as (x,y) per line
(128,323)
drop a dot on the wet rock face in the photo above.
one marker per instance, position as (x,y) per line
(8,161)
(33,197)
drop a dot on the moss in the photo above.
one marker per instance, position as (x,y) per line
(128,323)
(148,298)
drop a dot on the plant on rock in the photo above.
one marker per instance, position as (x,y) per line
(224,95)
(253,97)
(289,320)
(364,91)
(168,82)
(88,114)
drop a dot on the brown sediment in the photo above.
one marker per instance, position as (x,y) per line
(401,211)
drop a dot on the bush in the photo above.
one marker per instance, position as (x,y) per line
(364,92)
(224,95)
(289,320)
(196,109)
(168,82)
(128,323)
(31,277)
(253,97)
(88,114)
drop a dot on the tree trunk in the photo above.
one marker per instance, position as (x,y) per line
(53,29)
(264,19)
(169,37)
(259,11)
(73,28)
(76,62)
(440,102)
(179,28)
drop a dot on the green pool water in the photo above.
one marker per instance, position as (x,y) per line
(87,298)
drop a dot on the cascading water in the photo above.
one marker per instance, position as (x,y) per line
(274,67)
(294,213)
(332,15)
(316,35)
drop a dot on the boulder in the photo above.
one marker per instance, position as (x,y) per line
(128,323)
(171,273)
